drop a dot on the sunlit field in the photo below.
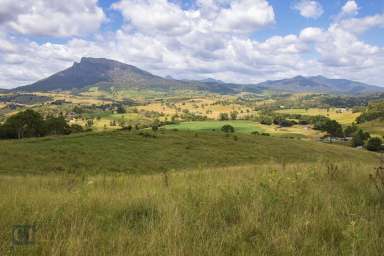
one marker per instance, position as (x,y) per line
(85,100)
(375,127)
(297,131)
(343,116)
(208,106)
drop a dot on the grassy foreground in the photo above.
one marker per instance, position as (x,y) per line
(297,209)
(130,152)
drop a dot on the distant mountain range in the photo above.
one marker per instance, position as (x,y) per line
(105,74)
(320,84)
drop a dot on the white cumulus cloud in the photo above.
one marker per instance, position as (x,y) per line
(350,8)
(309,8)
(213,39)
(51,18)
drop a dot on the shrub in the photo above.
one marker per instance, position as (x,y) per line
(57,125)
(359,138)
(75,128)
(121,110)
(228,129)
(374,144)
(267,120)
(350,130)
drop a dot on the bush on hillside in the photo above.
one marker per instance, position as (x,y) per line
(374,144)
(228,128)
(359,138)
(351,130)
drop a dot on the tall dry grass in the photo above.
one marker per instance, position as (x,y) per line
(303,209)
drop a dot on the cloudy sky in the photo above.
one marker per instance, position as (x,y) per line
(233,40)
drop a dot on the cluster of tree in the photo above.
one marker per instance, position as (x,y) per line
(321,123)
(30,123)
(325,124)
(192,117)
(231,116)
(282,120)
(361,138)
(350,102)
(373,111)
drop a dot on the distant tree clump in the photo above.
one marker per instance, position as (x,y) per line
(234,115)
(374,144)
(77,110)
(282,122)
(24,124)
(359,138)
(333,128)
(373,111)
(228,128)
(120,109)
(57,125)
(224,116)
(350,130)
(266,120)
(30,123)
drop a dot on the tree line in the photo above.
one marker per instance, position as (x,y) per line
(29,123)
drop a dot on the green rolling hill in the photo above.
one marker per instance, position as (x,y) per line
(130,152)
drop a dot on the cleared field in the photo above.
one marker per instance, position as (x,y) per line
(240,126)
(299,209)
(341,115)
(209,106)
(139,93)
(83,99)
(102,121)
(374,127)
(249,127)
(132,152)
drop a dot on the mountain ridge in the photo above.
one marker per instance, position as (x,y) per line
(106,73)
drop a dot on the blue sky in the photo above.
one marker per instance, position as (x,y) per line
(232,40)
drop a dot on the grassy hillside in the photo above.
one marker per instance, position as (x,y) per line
(240,126)
(375,127)
(130,152)
(305,209)
(296,131)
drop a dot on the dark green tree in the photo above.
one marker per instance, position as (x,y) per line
(350,130)
(27,123)
(57,125)
(333,128)
(120,109)
(359,138)
(374,144)
(228,128)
